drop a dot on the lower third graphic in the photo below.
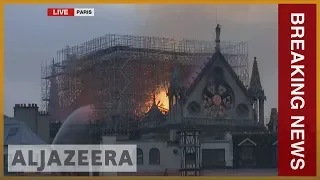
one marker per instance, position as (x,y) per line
(72,158)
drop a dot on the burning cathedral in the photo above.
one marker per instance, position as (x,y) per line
(216,122)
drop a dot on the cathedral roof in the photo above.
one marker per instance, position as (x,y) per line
(216,55)
(255,89)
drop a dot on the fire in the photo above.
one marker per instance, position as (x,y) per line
(162,100)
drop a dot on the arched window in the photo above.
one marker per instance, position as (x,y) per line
(139,156)
(154,156)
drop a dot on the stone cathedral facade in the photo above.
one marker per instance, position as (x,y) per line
(215,123)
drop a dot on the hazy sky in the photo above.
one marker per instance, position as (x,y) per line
(32,37)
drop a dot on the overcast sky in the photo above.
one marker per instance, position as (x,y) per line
(31,37)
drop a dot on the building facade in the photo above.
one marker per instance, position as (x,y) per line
(216,123)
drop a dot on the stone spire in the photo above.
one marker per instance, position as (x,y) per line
(257,93)
(255,88)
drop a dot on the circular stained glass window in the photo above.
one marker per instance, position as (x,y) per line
(218,99)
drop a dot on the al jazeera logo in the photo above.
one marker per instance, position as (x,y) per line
(72,158)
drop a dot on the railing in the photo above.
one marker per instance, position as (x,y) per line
(210,121)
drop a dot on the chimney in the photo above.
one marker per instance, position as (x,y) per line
(28,114)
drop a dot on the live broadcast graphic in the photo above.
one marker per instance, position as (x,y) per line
(160,90)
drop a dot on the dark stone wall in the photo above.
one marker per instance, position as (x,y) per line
(264,150)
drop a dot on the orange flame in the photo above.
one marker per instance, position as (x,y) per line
(162,100)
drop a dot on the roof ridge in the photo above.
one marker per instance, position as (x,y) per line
(215,56)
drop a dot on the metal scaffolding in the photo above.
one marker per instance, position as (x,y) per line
(117,74)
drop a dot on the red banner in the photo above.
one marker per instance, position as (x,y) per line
(297,90)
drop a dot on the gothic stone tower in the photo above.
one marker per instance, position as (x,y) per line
(176,94)
(257,93)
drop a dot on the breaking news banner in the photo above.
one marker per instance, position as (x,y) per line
(70,11)
(297,90)
(72,158)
